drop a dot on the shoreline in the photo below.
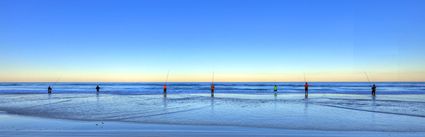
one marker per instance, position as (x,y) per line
(19,126)
(201,115)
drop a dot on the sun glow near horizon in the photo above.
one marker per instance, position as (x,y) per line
(219,77)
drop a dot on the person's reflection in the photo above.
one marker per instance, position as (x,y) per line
(373,108)
(97,98)
(164,98)
(99,106)
(164,102)
(212,102)
(275,101)
(306,107)
(49,102)
(49,97)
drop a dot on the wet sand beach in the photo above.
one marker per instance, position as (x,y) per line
(200,115)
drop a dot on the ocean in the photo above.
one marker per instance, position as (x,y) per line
(331,106)
(221,87)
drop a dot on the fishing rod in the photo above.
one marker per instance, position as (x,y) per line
(165,84)
(305,80)
(49,89)
(212,78)
(212,85)
(57,80)
(367,76)
(166,80)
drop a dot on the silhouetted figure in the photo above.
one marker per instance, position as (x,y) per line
(373,90)
(97,88)
(275,88)
(212,89)
(165,88)
(306,89)
(49,90)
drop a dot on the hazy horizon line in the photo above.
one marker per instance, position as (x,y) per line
(207,81)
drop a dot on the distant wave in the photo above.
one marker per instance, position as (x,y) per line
(204,87)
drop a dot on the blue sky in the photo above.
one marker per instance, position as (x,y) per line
(240,40)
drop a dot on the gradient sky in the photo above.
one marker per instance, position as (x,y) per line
(240,40)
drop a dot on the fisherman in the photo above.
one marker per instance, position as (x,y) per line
(275,88)
(165,88)
(373,90)
(97,88)
(306,89)
(49,90)
(212,89)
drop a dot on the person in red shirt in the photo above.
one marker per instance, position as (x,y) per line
(306,89)
(165,88)
(212,89)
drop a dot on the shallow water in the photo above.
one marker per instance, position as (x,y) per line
(347,106)
(25,126)
(346,112)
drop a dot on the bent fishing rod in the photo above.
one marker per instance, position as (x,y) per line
(367,76)
(166,80)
